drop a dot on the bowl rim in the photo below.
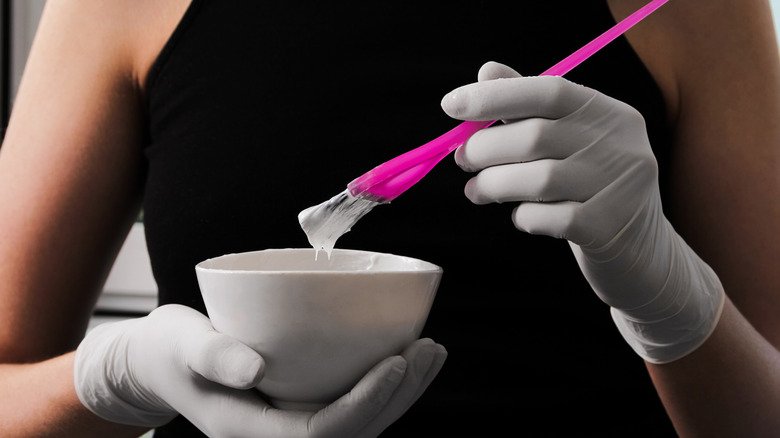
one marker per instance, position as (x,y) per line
(425,268)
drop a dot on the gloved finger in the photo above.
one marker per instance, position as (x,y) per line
(558,219)
(425,359)
(354,411)
(549,97)
(609,130)
(517,142)
(426,373)
(218,411)
(493,70)
(537,181)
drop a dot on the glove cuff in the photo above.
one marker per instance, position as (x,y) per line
(102,374)
(673,337)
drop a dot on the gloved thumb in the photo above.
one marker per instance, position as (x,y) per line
(494,70)
(225,360)
(217,357)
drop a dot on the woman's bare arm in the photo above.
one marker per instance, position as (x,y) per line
(717,64)
(70,185)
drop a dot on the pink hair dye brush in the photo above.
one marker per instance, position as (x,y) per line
(326,222)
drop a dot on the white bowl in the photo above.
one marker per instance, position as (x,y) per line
(319,324)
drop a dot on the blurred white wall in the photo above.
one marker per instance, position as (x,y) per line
(776,11)
(24,22)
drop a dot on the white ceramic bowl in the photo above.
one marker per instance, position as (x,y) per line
(320,325)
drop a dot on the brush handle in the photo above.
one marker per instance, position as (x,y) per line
(586,51)
(391,178)
(388,180)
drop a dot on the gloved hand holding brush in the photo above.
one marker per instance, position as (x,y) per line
(581,166)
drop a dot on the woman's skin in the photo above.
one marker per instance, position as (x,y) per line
(70,186)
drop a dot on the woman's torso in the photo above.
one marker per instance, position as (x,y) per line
(258,110)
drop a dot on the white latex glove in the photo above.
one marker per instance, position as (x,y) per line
(581,166)
(145,371)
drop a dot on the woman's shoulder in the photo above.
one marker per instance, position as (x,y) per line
(128,34)
(694,48)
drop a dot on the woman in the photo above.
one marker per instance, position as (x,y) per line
(205,112)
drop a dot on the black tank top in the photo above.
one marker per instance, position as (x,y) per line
(258,110)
